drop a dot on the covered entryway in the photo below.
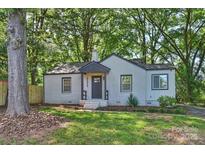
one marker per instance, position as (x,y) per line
(93,85)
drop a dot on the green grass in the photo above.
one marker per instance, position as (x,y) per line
(116,127)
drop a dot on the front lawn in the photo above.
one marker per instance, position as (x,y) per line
(123,128)
(127,128)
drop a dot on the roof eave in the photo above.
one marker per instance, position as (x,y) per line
(155,69)
(61,73)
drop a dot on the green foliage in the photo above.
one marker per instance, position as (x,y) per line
(3,39)
(173,110)
(166,101)
(57,36)
(177,32)
(132,100)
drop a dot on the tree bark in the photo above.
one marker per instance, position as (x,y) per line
(6,101)
(189,84)
(17,66)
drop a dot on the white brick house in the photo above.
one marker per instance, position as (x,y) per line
(109,82)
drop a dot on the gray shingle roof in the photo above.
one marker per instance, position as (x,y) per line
(94,67)
(139,63)
(71,68)
(67,68)
(153,66)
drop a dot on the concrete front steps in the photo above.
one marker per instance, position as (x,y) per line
(93,104)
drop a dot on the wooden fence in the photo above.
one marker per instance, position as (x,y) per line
(3,92)
(35,93)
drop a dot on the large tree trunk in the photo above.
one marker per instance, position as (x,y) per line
(17,81)
(189,84)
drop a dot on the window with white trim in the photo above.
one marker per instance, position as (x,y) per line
(159,81)
(66,84)
(126,83)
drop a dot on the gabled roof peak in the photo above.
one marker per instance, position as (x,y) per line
(142,65)
(94,67)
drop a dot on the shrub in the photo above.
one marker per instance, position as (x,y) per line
(132,100)
(166,101)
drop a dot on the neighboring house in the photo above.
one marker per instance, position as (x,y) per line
(109,82)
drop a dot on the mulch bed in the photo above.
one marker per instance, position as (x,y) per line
(125,108)
(116,108)
(146,109)
(183,135)
(69,106)
(36,125)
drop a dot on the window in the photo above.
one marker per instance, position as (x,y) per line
(159,81)
(97,80)
(66,84)
(126,83)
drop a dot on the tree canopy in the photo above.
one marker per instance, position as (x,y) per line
(174,36)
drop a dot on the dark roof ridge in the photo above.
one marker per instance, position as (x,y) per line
(159,64)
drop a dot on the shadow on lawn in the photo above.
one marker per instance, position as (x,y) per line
(117,127)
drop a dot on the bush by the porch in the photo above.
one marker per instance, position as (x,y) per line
(132,100)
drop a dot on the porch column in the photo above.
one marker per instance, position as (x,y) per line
(82,86)
(105,86)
